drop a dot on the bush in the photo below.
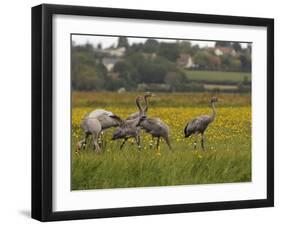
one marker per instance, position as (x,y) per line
(244,88)
(193,87)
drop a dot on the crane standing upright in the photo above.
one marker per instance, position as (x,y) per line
(200,124)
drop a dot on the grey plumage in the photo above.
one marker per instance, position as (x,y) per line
(157,128)
(129,128)
(94,123)
(200,124)
(154,126)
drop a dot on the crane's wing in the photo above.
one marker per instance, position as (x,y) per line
(133,116)
(104,116)
(99,112)
(154,121)
(153,124)
(117,118)
(197,124)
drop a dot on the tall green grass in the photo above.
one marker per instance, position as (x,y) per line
(132,168)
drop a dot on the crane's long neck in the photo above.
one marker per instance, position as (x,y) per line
(146,105)
(139,107)
(214,113)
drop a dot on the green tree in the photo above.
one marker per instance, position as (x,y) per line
(235,64)
(135,48)
(223,44)
(150,46)
(202,59)
(87,73)
(246,62)
(99,46)
(151,72)
(236,46)
(127,73)
(185,47)
(168,50)
(88,79)
(123,42)
(175,80)
(214,62)
(249,48)
(194,50)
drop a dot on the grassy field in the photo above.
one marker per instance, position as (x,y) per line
(228,143)
(217,76)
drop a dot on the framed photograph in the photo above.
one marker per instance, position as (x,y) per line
(146,112)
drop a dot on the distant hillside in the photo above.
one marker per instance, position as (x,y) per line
(161,66)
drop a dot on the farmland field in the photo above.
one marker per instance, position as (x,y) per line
(217,76)
(227,158)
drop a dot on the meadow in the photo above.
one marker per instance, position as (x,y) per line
(217,76)
(227,158)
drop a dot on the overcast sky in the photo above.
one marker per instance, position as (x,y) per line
(108,41)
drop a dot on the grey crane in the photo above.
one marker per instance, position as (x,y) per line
(200,124)
(144,110)
(157,128)
(154,126)
(129,128)
(94,123)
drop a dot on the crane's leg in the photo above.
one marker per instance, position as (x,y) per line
(82,143)
(157,145)
(85,140)
(96,145)
(95,142)
(151,142)
(202,141)
(195,142)
(100,139)
(168,142)
(137,138)
(124,141)
(79,146)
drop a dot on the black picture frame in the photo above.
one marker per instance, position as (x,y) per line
(42,107)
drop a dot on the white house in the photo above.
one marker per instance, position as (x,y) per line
(116,52)
(219,51)
(185,61)
(109,62)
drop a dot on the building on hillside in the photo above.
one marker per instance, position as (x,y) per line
(112,52)
(185,61)
(109,62)
(219,51)
(116,52)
